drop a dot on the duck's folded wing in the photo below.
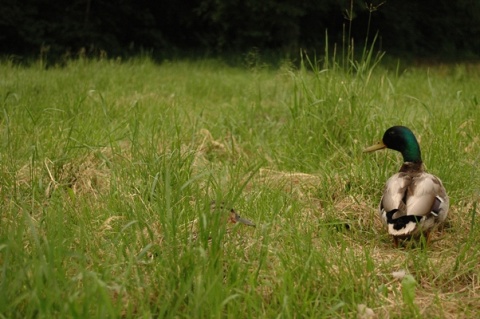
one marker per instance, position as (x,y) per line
(425,196)
(394,194)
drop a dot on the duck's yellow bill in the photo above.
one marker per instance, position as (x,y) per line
(375,147)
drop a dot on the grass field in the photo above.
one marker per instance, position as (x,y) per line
(108,169)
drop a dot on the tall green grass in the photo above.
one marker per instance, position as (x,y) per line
(108,169)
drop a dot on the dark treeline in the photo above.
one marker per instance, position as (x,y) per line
(440,28)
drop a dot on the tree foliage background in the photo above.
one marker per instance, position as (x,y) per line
(441,28)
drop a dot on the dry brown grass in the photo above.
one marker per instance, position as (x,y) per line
(443,290)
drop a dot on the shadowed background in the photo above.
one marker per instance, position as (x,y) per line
(419,29)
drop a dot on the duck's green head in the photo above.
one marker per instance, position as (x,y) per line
(400,138)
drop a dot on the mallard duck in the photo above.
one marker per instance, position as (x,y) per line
(414,202)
